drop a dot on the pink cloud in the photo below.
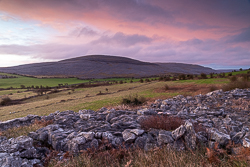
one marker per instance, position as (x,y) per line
(200,32)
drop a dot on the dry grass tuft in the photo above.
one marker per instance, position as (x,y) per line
(133,100)
(157,157)
(161,122)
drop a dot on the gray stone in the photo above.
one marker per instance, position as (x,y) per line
(238,136)
(165,137)
(128,136)
(137,132)
(221,138)
(117,142)
(146,112)
(140,142)
(2,155)
(24,142)
(107,136)
(87,135)
(179,145)
(179,132)
(2,138)
(85,116)
(11,161)
(190,135)
(79,140)
(29,153)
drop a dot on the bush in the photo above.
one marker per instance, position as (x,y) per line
(182,77)
(166,87)
(203,76)
(5,101)
(245,77)
(133,100)
(160,78)
(161,122)
(190,76)
(237,84)
(233,78)
(141,80)
(211,75)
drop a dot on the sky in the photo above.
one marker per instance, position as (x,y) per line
(212,33)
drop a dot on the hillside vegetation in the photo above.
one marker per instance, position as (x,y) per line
(100,66)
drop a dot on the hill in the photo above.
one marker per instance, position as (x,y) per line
(103,66)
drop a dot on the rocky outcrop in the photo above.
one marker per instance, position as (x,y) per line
(217,117)
(21,152)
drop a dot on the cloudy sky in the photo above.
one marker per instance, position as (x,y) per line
(212,33)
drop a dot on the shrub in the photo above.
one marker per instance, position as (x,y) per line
(230,74)
(182,77)
(120,82)
(233,78)
(166,87)
(5,101)
(190,76)
(211,75)
(141,80)
(174,78)
(161,122)
(245,77)
(133,100)
(160,78)
(237,84)
(147,80)
(203,76)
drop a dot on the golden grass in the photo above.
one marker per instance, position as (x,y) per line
(154,158)
(44,105)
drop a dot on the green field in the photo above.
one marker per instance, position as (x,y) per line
(51,82)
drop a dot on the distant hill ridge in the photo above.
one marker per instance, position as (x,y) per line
(107,59)
(104,66)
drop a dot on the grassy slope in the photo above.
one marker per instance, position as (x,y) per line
(77,100)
